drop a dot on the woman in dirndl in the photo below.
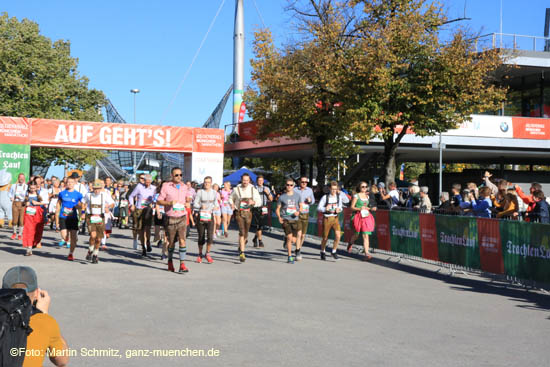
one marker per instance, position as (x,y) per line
(362,219)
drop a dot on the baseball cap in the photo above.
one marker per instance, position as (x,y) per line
(381,185)
(20,274)
(74,175)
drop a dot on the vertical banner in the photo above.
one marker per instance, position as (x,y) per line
(526,250)
(405,233)
(383,230)
(15,150)
(428,235)
(490,248)
(207,157)
(457,240)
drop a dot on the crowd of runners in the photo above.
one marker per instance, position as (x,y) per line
(164,212)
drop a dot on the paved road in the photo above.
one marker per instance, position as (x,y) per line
(269,313)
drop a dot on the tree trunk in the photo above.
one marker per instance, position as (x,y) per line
(320,159)
(390,150)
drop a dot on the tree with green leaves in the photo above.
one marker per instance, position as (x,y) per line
(378,68)
(299,87)
(409,79)
(39,79)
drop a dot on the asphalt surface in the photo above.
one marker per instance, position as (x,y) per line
(266,312)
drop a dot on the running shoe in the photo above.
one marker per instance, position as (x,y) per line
(67,245)
(61,243)
(13,236)
(89,256)
(183,268)
(261,244)
(284,243)
(159,243)
(291,260)
(209,259)
(350,247)
(323,256)
(368,257)
(135,244)
(335,256)
(226,234)
(199,259)
(162,257)
(298,257)
(70,257)
(242,258)
(144,252)
(255,241)
(28,253)
(19,238)
(170,265)
(149,248)
(95,260)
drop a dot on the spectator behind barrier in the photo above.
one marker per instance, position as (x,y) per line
(481,207)
(446,207)
(541,210)
(425,202)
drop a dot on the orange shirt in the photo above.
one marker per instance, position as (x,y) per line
(45,335)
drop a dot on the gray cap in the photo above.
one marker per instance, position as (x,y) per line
(20,274)
(424,189)
(381,184)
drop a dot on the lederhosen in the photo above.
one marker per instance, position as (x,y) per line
(260,215)
(18,207)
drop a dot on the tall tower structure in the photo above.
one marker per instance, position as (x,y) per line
(238,61)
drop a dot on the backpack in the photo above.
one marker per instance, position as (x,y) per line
(15,313)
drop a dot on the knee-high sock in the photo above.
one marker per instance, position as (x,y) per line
(183,252)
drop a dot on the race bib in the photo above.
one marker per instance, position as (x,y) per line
(178,207)
(225,202)
(305,208)
(30,210)
(291,209)
(67,211)
(95,219)
(205,216)
(145,203)
(244,206)
(331,208)
(264,210)
(96,211)
(364,213)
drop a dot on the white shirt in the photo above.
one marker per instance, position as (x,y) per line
(394,194)
(81,188)
(97,199)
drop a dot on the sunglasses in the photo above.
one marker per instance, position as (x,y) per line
(178,175)
(142,178)
(363,187)
(290,185)
(303,182)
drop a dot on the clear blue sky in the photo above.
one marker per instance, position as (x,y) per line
(150,44)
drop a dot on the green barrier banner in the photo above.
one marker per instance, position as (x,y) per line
(405,233)
(457,240)
(526,250)
(15,159)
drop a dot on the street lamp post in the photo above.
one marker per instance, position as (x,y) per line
(134,157)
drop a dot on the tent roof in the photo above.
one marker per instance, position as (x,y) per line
(235,177)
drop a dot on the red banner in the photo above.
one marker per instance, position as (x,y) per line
(97,135)
(348,227)
(490,248)
(208,140)
(383,229)
(428,236)
(242,112)
(531,128)
(320,224)
(14,130)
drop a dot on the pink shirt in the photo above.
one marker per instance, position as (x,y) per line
(170,192)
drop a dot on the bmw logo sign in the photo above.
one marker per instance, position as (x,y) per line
(504,126)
